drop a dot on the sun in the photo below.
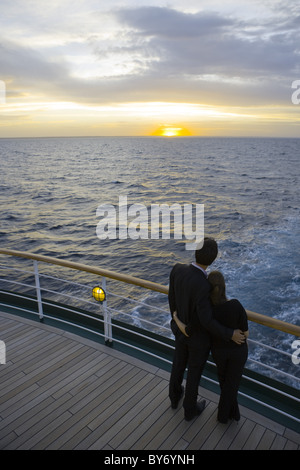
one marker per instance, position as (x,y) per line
(168,131)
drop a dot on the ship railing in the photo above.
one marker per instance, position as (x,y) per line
(105,314)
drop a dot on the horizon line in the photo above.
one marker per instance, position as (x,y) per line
(152,137)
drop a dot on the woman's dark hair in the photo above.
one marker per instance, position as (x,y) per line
(218,292)
(208,253)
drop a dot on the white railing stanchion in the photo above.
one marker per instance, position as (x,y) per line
(38,289)
(106,317)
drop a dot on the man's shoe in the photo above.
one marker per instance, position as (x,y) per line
(174,403)
(188,416)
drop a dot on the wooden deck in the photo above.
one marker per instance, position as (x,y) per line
(61,391)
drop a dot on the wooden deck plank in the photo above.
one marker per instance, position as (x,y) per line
(278,443)
(80,380)
(230,435)
(292,435)
(86,414)
(205,430)
(254,438)
(78,404)
(214,438)
(17,419)
(242,436)
(48,354)
(44,347)
(134,435)
(195,427)
(290,445)
(15,388)
(154,423)
(113,425)
(266,440)
(60,391)
(170,426)
(89,420)
(32,399)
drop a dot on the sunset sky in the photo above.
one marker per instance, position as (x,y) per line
(149,67)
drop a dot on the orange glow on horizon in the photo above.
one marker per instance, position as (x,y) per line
(172,131)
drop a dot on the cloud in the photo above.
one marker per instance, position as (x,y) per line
(205,42)
(170,23)
(159,54)
(187,48)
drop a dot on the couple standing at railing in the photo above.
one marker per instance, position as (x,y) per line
(203,320)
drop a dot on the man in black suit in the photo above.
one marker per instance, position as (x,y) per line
(189,297)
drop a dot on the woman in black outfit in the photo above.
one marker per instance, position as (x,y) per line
(229,357)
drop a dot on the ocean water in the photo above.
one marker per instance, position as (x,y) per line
(50,189)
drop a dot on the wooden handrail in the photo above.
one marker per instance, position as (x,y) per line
(252,316)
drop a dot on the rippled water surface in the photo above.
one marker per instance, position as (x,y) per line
(50,190)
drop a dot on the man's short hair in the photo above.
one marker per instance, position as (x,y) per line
(208,253)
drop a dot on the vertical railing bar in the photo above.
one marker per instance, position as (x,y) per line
(110,338)
(38,289)
(107,317)
(105,313)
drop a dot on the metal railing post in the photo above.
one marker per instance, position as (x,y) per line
(38,290)
(107,318)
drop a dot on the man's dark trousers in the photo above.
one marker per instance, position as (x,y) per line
(188,354)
